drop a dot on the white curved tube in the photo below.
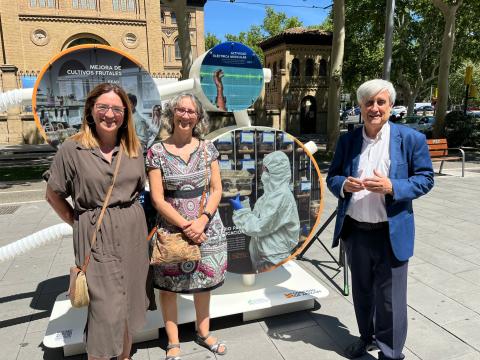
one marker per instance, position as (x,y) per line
(14,98)
(35,240)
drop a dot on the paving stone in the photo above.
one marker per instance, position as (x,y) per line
(430,342)
(435,306)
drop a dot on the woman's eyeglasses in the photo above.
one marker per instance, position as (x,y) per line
(118,111)
(182,111)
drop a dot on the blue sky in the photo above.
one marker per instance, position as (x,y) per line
(224,17)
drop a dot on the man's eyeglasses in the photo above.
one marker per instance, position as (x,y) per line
(118,111)
(182,111)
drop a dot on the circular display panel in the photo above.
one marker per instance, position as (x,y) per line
(272,196)
(231,76)
(64,83)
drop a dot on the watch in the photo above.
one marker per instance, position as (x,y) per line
(208,215)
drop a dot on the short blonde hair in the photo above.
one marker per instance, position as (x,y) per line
(87,135)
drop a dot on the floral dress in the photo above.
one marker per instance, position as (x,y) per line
(183,183)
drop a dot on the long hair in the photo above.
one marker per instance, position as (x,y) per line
(87,136)
(200,130)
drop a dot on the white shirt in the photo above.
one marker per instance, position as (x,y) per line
(364,205)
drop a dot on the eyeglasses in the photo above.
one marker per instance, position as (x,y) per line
(183,111)
(118,111)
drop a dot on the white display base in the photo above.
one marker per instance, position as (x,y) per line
(286,289)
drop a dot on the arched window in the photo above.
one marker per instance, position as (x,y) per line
(322,71)
(173,18)
(309,67)
(295,69)
(178,56)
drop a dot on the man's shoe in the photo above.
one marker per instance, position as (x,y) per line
(357,349)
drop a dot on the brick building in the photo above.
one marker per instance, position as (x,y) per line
(32,31)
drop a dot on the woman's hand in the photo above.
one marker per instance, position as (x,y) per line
(195,231)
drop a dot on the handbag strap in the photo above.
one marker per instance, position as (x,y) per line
(104,207)
(204,193)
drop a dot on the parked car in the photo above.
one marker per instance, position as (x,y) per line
(425,110)
(398,109)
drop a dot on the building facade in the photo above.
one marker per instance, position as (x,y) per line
(295,100)
(33,31)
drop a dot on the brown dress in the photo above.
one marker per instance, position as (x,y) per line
(119,263)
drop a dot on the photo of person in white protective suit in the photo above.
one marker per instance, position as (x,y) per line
(273,224)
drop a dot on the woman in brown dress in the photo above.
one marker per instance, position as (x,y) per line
(83,169)
(177,170)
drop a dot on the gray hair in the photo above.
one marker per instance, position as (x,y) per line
(373,87)
(200,130)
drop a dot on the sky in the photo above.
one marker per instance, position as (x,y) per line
(226,17)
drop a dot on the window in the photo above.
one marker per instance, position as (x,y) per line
(173,17)
(274,68)
(124,5)
(280,65)
(322,71)
(164,51)
(42,3)
(309,67)
(177,50)
(162,16)
(295,69)
(84,4)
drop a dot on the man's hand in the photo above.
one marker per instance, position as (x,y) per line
(379,183)
(353,185)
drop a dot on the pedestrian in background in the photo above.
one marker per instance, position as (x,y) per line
(376,172)
(83,169)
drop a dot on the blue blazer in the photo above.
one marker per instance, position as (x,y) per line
(411,174)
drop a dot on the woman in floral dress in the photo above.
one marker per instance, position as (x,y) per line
(176,171)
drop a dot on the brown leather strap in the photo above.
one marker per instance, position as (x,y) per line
(104,207)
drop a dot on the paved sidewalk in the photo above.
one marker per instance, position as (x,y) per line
(443,293)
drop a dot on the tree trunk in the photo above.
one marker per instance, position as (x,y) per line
(180,9)
(335,73)
(448,40)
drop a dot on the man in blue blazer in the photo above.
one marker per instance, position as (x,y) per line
(376,172)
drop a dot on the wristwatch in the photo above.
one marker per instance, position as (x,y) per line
(208,215)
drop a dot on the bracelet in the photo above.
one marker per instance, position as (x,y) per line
(208,215)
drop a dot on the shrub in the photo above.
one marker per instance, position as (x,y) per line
(461,130)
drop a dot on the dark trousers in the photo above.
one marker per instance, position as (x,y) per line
(379,287)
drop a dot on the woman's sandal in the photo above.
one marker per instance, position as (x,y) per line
(202,341)
(173,357)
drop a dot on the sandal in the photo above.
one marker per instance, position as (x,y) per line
(173,357)
(214,348)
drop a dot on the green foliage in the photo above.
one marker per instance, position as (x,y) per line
(418,31)
(211,41)
(457,86)
(461,130)
(273,24)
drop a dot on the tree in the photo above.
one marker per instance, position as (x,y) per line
(335,72)
(211,41)
(180,9)
(448,40)
(416,49)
